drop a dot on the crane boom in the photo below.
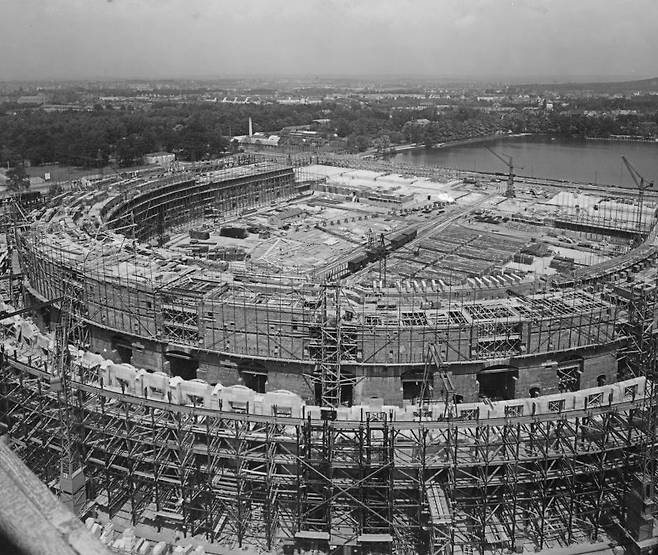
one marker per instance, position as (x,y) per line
(639,180)
(509,162)
(642,185)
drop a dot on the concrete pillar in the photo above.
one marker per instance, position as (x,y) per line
(73,493)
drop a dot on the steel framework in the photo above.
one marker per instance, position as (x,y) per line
(545,479)
(538,476)
(638,358)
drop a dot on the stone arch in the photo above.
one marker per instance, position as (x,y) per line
(182,364)
(123,347)
(568,374)
(498,382)
(254,375)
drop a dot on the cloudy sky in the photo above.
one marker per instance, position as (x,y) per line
(554,39)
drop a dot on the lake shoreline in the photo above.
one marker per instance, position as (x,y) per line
(622,140)
(479,140)
(448,144)
(597,163)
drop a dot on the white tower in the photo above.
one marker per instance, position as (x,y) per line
(251,129)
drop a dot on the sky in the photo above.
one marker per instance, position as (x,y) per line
(508,39)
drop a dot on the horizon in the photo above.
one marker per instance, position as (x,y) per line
(331,79)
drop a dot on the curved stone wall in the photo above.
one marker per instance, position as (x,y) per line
(232,466)
(164,312)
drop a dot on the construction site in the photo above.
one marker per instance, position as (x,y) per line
(337,356)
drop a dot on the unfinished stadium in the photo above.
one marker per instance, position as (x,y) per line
(339,359)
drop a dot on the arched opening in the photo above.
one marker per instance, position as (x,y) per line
(46,316)
(123,348)
(346,391)
(411,390)
(182,364)
(254,376)
(535,392)
(498,383)
(568,374)
(416,385)
(601,380)
(255,381)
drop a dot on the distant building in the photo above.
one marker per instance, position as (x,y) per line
(37,99)
(491,98)
(65,108)
(159,158)
(304,100)
(303,134)
(286,216)
(293,128)
(258,139)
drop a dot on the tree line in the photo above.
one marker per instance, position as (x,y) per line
(197,131)
(95,138)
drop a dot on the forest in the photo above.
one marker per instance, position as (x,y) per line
(90,139)
(196,130)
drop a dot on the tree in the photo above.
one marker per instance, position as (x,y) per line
(17,179)
(357,143)
(55,189)
(382,143)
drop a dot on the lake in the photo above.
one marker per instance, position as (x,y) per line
(539,156)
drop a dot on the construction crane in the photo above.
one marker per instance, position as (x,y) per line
(68,330)
(642,186)
(508,161)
